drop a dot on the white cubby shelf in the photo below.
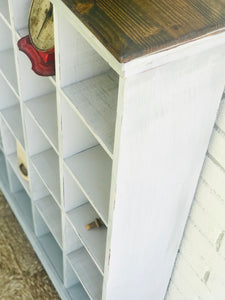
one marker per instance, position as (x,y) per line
(104,138)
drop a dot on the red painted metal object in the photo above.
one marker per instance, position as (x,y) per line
(43,63)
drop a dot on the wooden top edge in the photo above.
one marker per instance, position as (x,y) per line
(131,29)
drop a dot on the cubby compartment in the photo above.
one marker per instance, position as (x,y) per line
(12,117)
(91,170)
(4,12)
(82,264)
(89,84)
(48,243)
(11,146)
(76,290)
(44,158)
(94,239)
(20,199)
(43,110)
(7,59)
(8,98)
(20,10)
(51,214)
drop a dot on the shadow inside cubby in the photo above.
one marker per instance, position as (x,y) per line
(48,243)
(44,158)
(3,173)
(89,84)
(79,261)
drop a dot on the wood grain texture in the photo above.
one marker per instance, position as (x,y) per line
(133,28)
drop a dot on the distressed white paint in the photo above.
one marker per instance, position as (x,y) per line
(166,108)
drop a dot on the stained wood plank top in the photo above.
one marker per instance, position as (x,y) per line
(133,28)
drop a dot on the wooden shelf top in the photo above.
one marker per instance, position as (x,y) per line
(133,28)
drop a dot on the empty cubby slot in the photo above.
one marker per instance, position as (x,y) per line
(51,214)
(13,119)
(8,98)
(87,272)
(89,84)
(75,288)
(43,109)
(4,11)
(94,239)
(44,158)
(8,139)
(52,249)
(91,169)
(73,196)
(75,135)
(20,10)
(7,59)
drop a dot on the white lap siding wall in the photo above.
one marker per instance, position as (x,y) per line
(199,272)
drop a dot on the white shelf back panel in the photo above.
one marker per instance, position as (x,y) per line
(20,10)
(8,98)
(5,36)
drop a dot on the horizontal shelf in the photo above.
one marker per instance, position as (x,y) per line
(44,111)
(12,116)
(87,272)
(92,171)
(51,214)
(94,239)
(53,252)
(46,164)
(12,159)
(95,100)
(8,69)
(4,11)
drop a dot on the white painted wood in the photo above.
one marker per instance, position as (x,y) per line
(8,98)
(46,164)
(13,161)
(31,84)
(160,184)
(53,252)
(92,171)
(12,117)
(94,239)
(36,140)
(77,292)
(44,111)
(72,242)
(73,196)
(23,203)
(5,36)
(4,12)
(7,68)
(87,272)
(38,189)
(51,214)
(8,140)
(221,116)
(217,146)
(78,60)
(75,136)
(20,12)
(95,100)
